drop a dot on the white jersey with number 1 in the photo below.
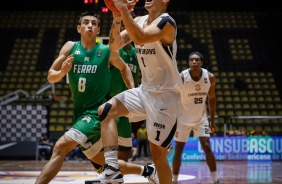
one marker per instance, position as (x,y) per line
(158,64)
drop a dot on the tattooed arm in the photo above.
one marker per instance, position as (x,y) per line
(118,38)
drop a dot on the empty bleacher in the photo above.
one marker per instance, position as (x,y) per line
(230,42)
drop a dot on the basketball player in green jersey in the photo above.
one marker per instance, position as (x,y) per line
(87,64)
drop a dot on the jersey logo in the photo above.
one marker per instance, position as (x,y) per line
(109,175)
(99,53)
(206,80)
(159,126)
(86,59)
(197,87)
(77,52)
(86,118)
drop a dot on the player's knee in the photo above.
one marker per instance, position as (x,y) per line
(63,146)
(104,110)
(206,148)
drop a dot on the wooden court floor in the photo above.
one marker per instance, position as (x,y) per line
(75,172)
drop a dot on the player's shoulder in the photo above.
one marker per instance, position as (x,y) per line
(211,75)
(167,15)
(70,44)
(168,18)
(207,71)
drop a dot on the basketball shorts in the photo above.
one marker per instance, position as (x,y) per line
(86,131)
(160,109)
(184,129)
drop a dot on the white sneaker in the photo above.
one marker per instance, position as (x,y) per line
(109,175)
(153,178)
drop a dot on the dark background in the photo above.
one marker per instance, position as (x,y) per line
(183,5)
(269,29)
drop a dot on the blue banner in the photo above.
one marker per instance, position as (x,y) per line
(253,148)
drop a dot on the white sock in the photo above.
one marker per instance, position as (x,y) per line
(142,170)
(214,176)
(175,178)
(111,158)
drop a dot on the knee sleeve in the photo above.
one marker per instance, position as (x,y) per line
(105,112)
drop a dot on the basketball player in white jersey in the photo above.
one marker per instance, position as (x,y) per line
(157,99)
(199,85)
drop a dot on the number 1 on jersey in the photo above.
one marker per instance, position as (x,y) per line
(143,61)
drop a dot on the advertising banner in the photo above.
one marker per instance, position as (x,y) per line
(252,148)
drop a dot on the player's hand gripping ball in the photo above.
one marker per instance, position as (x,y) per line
(111,5)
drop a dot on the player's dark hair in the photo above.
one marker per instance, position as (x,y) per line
(89,13)
(197,53)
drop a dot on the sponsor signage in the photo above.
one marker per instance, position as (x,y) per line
(253,148)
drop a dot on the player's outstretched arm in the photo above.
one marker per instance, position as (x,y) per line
(62,65)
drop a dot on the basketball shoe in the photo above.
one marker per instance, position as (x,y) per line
(109,175)
(153,178)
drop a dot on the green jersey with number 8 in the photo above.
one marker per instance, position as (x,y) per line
(90,76)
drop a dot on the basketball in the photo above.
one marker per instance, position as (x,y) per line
(111,5)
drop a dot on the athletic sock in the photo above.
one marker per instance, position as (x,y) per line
(111,158)
(214,176)
(175,178)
